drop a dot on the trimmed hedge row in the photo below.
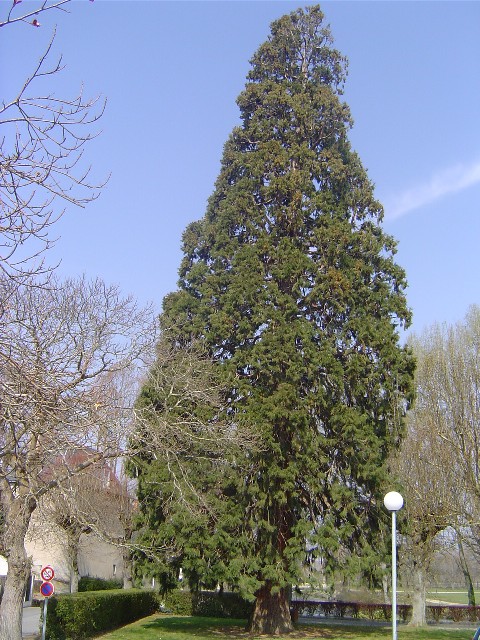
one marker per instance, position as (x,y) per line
(457,613)
(221,605)
(340,609)
(207,604)
(79,616)
(98,584)
(178,602)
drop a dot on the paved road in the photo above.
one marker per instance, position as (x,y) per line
(31,622)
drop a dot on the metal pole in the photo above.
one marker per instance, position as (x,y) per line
(394,576)
(45,604)
(393,501)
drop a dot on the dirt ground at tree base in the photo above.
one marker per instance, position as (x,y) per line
(315,630)
(304,630)
(311,632)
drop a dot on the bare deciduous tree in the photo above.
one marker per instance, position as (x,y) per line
(450,393)
(191,454)
(423,466)
(63,347)
(177,417)
(439,464)
(42,169)
(93,503)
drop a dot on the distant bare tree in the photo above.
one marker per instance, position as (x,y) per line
(42,140)
(450,394)
(455,562)
(423,466)
(92,502)
(439,464)
(63,348)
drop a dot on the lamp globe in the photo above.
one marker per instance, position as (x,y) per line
(393,501)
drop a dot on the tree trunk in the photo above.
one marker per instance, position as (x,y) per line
(465,570)
(17,513)
(11,606)
(73,579)
(73,534)
(419,595)
(127,569)
(385,585)
(271,614)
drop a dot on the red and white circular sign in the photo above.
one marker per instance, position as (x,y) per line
(47,573)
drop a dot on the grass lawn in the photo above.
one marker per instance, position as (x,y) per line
(166,627)
(455,596)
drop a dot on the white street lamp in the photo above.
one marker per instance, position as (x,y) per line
(393,501)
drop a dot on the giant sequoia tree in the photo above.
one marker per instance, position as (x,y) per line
(290,282)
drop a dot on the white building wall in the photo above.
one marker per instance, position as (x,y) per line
(46,544)
(99,559)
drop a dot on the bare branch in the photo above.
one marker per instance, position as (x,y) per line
(66,352)
(15,13)
(42,144)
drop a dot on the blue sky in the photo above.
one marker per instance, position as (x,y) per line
(171,72)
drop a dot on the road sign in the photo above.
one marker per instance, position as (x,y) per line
(47,589)
(47,573)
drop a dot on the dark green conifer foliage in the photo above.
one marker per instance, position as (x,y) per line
(290,281)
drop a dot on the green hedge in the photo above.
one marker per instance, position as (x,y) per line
(343,609)
(178,602)
(207,604)
(78,616)
(221,605)
(98,584)
(380,611)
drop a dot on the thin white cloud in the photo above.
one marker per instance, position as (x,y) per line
(441,184)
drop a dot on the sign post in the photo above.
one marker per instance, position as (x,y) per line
(46,589)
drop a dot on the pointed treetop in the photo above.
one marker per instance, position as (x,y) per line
(300,47)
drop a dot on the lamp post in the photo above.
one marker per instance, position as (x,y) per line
(393,501)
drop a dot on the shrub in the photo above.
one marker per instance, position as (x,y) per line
(179,602)
(78,616)
(455,612)
(221,605)
(373,611)
(98,584)
(208,604)
(380,611)
(340,609)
